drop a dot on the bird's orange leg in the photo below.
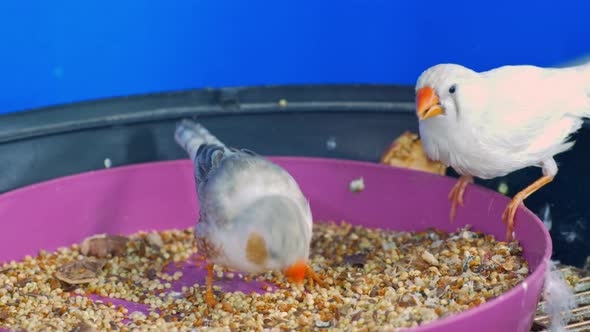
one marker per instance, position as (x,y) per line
(510,211)
(209,298)
(456,194)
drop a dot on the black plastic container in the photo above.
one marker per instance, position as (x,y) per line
(335,121)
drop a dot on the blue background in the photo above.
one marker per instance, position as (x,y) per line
(63,51)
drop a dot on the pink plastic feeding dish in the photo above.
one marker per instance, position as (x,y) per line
(158,196)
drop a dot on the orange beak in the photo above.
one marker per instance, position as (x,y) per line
(427,104)
(296,272)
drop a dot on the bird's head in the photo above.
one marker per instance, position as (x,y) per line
(437,91)
(279,236)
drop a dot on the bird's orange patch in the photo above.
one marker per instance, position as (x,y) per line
(256,249)
(296,272)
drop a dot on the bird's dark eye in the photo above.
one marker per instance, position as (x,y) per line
(452,88)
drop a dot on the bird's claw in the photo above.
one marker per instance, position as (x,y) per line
(455,199)
(509,214)
(210,299)
(456,194)
(314,277)
(518,200)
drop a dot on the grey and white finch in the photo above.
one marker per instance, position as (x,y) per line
(489,124)
(253,216)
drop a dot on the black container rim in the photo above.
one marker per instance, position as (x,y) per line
(133,109)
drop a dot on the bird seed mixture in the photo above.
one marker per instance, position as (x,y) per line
(373,279)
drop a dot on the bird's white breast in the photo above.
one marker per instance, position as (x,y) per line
(470,152)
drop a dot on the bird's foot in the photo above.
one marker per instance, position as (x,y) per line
(456,194)
(510,213)
(518,200)
(210,298)
(314,277)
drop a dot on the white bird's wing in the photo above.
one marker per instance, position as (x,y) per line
(531,106)
(245,178)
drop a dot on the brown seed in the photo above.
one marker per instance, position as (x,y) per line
(80,271)
(227,307)
(356,260)
(83,327)
(104,245)
(4,314)
(23,282)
